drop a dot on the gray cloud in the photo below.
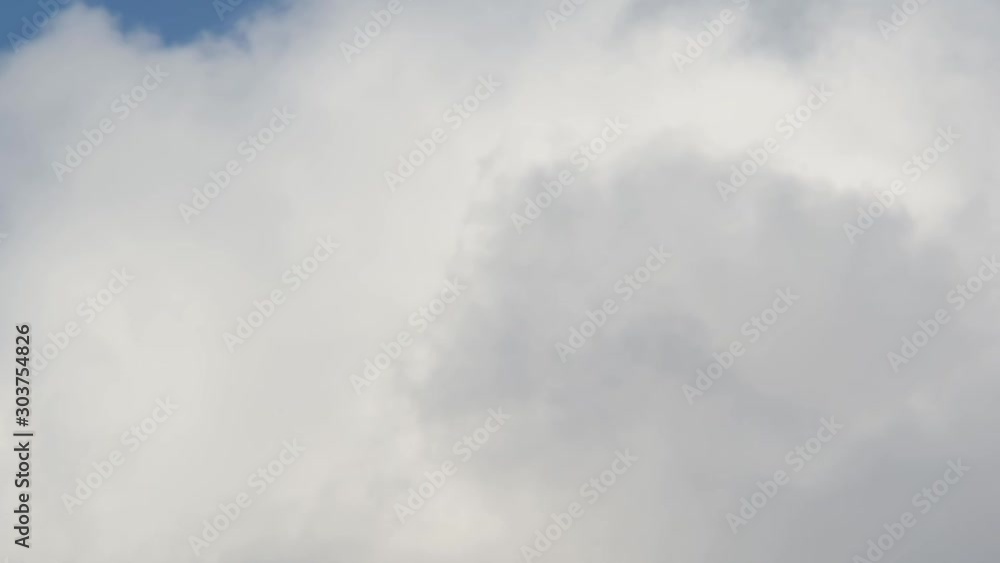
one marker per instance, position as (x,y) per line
(494,347)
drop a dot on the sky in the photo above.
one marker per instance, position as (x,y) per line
(441,281)
(175,23)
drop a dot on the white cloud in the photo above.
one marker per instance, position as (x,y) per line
(324,177)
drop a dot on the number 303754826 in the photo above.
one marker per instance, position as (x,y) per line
(22,348)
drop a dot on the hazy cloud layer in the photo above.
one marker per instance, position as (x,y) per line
(597,162)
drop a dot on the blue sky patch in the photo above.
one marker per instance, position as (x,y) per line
(175,21)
